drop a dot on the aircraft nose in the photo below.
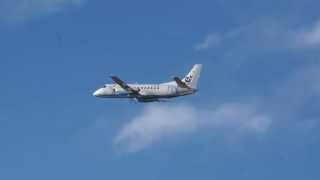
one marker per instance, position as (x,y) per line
(96,93)
(102,92)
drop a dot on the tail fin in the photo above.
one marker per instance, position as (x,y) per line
(193,76)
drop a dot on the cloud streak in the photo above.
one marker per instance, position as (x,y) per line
(265,34)
(159,122)
(13,11)
(211,40)
(310,36)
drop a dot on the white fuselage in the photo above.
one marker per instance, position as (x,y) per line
(146,91)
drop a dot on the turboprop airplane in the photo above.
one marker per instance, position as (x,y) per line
(152,92)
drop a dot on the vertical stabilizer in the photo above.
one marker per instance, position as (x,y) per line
(193,76)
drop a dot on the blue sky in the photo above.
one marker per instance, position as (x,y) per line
(255,117)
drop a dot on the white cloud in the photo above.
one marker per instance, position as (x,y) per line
(212,39)
(167,121)
(264,35)
(310,36)
(240,118)
(22,10)
(154,123)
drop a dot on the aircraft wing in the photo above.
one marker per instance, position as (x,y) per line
(181,83)
(124,85)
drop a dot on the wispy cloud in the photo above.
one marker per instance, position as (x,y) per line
(309,36)
(211,40)
(154,123)
(167,121)
(12,11)
(266,35)
(261,34)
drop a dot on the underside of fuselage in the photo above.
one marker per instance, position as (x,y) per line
(146,98)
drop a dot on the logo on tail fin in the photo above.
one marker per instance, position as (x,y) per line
(188,79)
(193,76)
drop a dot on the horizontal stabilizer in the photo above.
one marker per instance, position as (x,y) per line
(180,83)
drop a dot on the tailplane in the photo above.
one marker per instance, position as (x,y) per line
(192,78)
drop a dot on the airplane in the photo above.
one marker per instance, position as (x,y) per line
(152,92)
